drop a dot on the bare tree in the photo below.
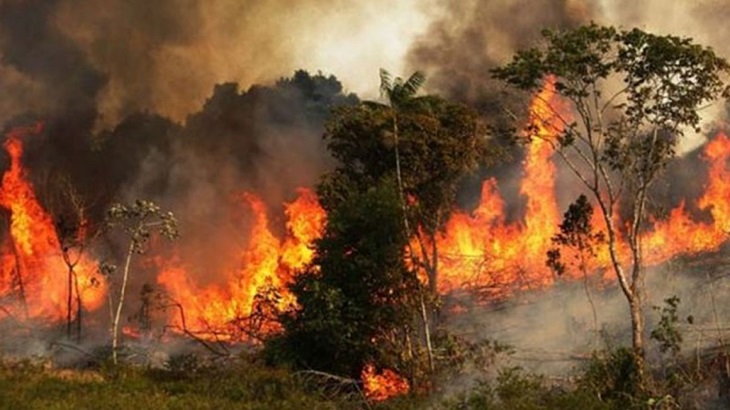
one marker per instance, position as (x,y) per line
(138,221)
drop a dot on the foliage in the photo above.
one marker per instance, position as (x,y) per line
(576,232)
(633,94)
(139,220)
(614,378)
(666,332)
(439,143)
(435,143)
(356,300)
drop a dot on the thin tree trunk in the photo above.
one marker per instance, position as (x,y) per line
(406,225)
(19,278)
(79,308)
(69,302)
(631,291)
(117,316)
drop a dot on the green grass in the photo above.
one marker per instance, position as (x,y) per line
(242,386)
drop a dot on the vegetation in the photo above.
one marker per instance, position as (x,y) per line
(369,298)
(138,221)
(244,385)
(633,95)
(357,300)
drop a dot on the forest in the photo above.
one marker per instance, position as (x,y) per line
(554,243)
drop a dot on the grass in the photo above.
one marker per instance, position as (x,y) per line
(242,386)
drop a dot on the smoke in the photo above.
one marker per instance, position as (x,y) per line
(467,39)
(554,331)
(164,56)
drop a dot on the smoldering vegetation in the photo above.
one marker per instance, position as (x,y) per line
(553,331)
(167,108)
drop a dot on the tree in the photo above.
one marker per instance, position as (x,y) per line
(435,144)
(632,94)
(577,234)
(138,221)
(357,300)
(73,234)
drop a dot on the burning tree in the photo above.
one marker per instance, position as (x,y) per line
(633,95)
(138,221)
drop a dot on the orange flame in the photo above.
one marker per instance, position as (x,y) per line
(481,249)
(266,264)
(384,385)
(32,264)
(478,250)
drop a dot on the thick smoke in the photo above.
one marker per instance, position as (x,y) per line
(467,39)
(164,56)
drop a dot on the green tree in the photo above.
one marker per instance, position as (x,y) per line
(357,301)
(434,144)
(138,222)
(632,94)
(577,234)
(438,143)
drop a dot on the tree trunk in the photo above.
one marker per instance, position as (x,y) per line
(117,316)
(79,308)
(632,291)
(406,226)
(69,302)
(637,332)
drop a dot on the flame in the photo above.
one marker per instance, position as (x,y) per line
(680,233)
(384,385)
(482,252)
(266,264)
(33,269)
(481,249)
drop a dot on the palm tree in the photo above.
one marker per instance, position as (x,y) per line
(398,94)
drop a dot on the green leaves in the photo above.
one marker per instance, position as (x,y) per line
(357,294)
(667,78)
(576,232)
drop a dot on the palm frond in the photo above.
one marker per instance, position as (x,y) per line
(413,84)
(386,83)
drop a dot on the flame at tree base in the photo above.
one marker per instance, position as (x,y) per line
(383,385)
(33,270)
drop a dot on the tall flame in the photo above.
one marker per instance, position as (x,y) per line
(267,263)
(33,271)
(481,249)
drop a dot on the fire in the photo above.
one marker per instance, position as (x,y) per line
(482,252)
(680,233)
(33,270)
(481,249)
(266,264)
(384,385)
